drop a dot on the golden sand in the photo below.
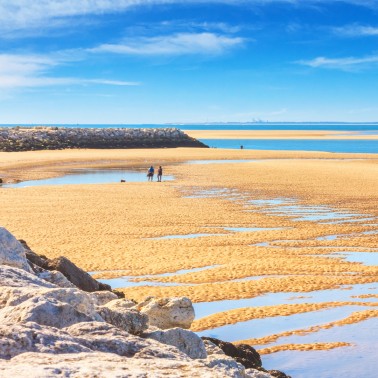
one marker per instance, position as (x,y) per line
(112,226)
(303,347)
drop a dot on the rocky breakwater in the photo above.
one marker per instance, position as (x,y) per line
(57,138)
(51,328)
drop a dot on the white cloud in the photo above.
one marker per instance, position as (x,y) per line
(356,31)
(23,71)
(177,44)
(346,64)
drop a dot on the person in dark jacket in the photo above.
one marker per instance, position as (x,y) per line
(160,173)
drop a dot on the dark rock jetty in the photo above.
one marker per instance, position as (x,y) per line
(57,138)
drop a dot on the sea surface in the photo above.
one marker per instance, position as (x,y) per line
(335,145)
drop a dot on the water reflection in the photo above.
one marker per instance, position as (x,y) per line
(89,176)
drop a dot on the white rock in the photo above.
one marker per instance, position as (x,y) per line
(253,373)
(104,365)
(166,313)
(103,297)
(56,278)
(79,300)
(12,252)
(228,365)
(120,303)
(211,348)
(16,277)
(49,312)
(104,337)
(186,341)
(131,321)
(31,337)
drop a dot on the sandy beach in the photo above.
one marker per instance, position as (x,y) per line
(114,229)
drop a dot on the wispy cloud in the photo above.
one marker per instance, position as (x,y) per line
(356,30)
(346,64)
(27,14)
(25,71)
(176,44)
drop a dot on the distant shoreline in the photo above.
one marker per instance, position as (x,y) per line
(170,124)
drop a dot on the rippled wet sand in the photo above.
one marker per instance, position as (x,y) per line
(282,224)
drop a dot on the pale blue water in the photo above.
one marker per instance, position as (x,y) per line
(90,176)
(342,146)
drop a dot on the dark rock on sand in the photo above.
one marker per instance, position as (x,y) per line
(77,276)
(73,273)
(243,353)
(278,374)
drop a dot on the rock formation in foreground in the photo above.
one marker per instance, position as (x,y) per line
(57,138)
(51,328)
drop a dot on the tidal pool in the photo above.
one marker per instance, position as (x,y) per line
(343,294)
(356,361)
(257,328)
(366,258)
(90,176)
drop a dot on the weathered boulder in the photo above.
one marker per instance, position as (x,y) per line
(131,321)
(15,277)
(104,365)
(77,276)
(212,348)
(120,303)
(243,353)
(35,260)
(103,337)
(278,374)
(102,298)
(43,311)
(166,313)
(186,341)
(79,300)
(253,373)
(31,337)
(41,265)
(12,252)
(228,365)
(55,278)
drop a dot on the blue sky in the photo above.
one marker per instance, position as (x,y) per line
(158,61)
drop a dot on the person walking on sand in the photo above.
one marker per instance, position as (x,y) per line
(160,173)
(150,173)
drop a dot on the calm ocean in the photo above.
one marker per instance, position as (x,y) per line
(347,146)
